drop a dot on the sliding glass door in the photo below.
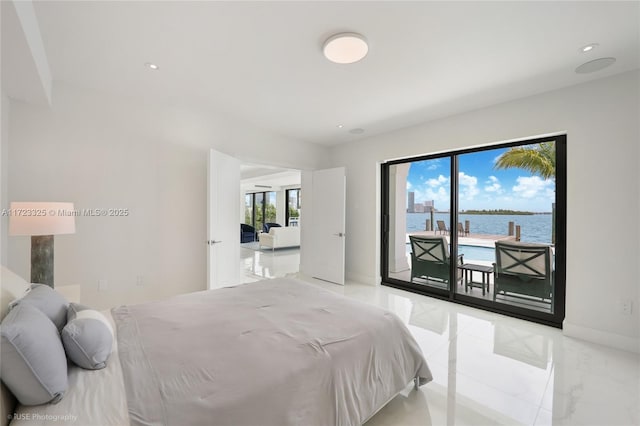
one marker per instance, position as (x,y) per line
(483,227)
(419,198)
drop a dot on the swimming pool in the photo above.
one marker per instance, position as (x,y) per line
(472,253)
(477,253)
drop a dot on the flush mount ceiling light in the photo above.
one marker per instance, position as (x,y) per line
(588,47)
(152,66)
(595,65)
(345,48)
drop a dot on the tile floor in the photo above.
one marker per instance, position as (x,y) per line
(488,368)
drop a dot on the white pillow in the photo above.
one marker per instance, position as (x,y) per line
(49,301)
(87,337)
(34,366)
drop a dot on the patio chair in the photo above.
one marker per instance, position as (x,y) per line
(430,258)
(442,227)
(524,270)
(460,229)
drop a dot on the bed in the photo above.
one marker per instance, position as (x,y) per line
(275,352)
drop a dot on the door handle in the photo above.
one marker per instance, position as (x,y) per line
(212,242)
(340,234)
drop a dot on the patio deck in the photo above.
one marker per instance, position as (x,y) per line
(476,292)
(479,240)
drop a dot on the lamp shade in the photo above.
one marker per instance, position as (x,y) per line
(42,218)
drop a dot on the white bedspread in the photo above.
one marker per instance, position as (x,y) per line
(275,352)
(302,356)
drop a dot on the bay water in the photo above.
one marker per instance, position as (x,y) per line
(534,228)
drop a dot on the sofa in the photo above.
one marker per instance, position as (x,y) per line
(277,237)
(268,225)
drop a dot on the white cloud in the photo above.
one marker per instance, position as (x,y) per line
(493,185)
(532,186)
(550,192)
(468,186)
(440,197)
(466,180)
(441,180)
(409,186)
(434,164)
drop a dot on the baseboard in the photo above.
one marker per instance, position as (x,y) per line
(361,278)
(613,340)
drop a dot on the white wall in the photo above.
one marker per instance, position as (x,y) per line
(601,122)
(4,174)
(102,152)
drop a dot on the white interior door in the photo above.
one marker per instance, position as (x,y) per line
(328,224)
(223,227)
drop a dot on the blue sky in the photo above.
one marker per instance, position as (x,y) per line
(481,186)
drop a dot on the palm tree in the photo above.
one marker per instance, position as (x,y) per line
(539,159)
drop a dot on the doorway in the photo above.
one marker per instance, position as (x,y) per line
(269,196)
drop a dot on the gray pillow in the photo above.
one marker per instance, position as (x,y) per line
(49,301)
(87,337)
(33,365)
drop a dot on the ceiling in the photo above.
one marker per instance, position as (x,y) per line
(262,61)
(259,178)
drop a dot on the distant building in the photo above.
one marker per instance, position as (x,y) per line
(414,207)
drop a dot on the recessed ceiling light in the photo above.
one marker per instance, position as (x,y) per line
(152,66)
(356,131)
(595,65)
(340,126)
(589,47)
(345,48)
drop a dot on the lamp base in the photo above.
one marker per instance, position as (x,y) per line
(42,259)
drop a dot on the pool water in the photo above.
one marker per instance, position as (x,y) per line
(472,253)
(477,253)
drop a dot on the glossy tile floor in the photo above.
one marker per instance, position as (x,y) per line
(488,368)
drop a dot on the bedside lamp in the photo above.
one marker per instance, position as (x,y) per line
(42,220)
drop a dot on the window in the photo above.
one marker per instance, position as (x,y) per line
(260,208)
(258,202)
(270,207)
(248,209)
(293,207)
(483,227)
